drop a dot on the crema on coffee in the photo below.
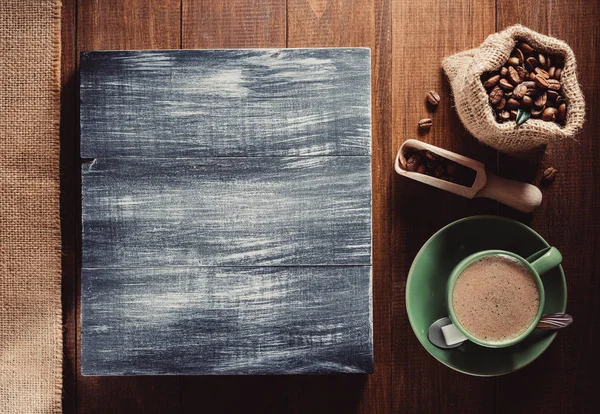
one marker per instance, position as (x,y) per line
(495,298)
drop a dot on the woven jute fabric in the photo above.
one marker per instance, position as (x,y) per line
(464,71)
(30,259)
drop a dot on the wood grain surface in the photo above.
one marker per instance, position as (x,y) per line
(406,378)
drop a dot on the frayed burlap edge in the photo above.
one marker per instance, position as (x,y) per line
(464,70)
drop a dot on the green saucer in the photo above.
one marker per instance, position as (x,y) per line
(426,291)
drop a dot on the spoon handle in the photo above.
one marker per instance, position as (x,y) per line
(555,321)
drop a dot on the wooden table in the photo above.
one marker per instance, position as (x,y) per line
(408,41)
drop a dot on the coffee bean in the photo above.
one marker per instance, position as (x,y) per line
(413,162)
(439,170)
(526,48)
(433,98)
(531,63)
(496,95)
(557,73)
(504,71)
(522,72)
(491,81)
(552,71)
(542,59)
(513,75)
(530,85)
(541,72)
(422,169)
(506,85)
(541,100)
(531,76)
(512,104)
(425,123)
(540,81)
(520,91)
(513,114)
(553,84)
(513,61)
(526,102)
(519,55)
(561,115)
(552,95)
(431,156)
(501,104)
(536,113)
(550,174)
(505,115)
(549,114)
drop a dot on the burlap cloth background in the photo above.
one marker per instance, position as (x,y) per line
(30,274)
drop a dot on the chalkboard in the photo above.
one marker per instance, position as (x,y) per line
(226,212)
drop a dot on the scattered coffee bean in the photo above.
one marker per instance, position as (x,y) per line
(537,113)
(505,115)
(433,98)
(434,165)
(513,114)
(425,123)
(504,71)
(550,174)
(552,71)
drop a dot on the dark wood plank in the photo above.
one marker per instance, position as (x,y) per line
(265,393)
(423,34)
(258,211)
(135,24)
(266,102)
(233,24)
(357,23)
(128,24)
(226,320)
(69,203)
(562,379)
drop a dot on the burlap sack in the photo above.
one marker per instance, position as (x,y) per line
(464,70)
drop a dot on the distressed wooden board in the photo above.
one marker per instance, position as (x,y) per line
(225,103)
(226,320)
(227,211)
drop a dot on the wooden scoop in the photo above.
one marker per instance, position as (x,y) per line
(518,195)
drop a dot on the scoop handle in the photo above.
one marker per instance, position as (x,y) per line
(518,195)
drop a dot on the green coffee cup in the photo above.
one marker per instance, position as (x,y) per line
(537,264)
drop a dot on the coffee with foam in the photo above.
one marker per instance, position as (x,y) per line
(495,298)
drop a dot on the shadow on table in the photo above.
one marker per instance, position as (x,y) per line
(302,393)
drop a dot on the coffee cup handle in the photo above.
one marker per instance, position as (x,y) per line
(545,260)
